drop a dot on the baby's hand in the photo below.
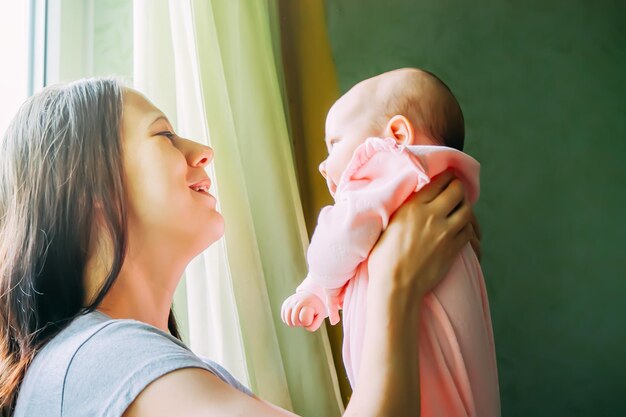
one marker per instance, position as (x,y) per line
(303,309)
(334,301)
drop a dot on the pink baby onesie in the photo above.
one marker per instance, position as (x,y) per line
(458,371)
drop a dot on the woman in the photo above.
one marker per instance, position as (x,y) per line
(102,206)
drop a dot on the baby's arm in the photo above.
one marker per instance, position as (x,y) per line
(380,179)
(347,231)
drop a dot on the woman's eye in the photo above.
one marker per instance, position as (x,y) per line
(167,134)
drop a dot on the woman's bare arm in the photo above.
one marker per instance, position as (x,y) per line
(195,392)
(390,364)
(411,257)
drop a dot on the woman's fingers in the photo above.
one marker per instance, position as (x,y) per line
(460,218)
(475,242)
(476,227)
(450,198)
(423,237)
(463,237)
(460,226)
(435,187)
(476,235)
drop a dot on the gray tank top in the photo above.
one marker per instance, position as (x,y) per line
(97,366)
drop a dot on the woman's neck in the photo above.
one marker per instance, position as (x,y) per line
(144,288)
(139,295)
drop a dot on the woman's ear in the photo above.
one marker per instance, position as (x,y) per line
(400,129)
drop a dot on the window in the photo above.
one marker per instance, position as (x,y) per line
(16,47)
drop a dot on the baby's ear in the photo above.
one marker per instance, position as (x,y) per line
(400,129)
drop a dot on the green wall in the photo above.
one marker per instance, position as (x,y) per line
(542,85)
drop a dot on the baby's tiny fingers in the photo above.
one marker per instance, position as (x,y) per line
(306,316)
(295,315)
(286,308)
(287,318)
(333,314)
(317,322)
(291,313)
(283,311)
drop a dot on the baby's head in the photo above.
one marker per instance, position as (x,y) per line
(412,106)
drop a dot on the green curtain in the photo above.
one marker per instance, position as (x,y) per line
(214,67)
(229,93)
(247,127)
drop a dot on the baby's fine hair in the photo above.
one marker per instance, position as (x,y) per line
(429,105)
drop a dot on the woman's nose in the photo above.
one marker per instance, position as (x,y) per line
(203,157)
(197,154)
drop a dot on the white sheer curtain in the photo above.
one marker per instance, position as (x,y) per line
(211,66)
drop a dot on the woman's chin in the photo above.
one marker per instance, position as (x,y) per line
(215,229)
(202,233)
(219,227)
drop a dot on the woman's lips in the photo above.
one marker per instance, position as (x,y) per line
(204,184)
(206,196)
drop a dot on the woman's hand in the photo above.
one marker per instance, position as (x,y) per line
(410,258)
(476,236)
(422,239)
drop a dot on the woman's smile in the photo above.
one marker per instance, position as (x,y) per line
(202,187)
(207,197)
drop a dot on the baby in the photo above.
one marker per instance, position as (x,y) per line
(386,138)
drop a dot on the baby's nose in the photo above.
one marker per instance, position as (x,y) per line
(322,168)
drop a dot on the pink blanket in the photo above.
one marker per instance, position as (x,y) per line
(458,371)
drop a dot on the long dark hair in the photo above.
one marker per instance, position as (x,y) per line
(60,170)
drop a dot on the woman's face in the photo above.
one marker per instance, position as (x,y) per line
(167,185)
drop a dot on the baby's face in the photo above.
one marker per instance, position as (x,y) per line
(349,122)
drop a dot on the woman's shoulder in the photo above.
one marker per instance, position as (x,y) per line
(98,363)
(95,333)
(97,342)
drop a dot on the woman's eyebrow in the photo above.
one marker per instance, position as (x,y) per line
(158,118)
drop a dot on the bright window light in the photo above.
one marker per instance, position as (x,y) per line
(14,50)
